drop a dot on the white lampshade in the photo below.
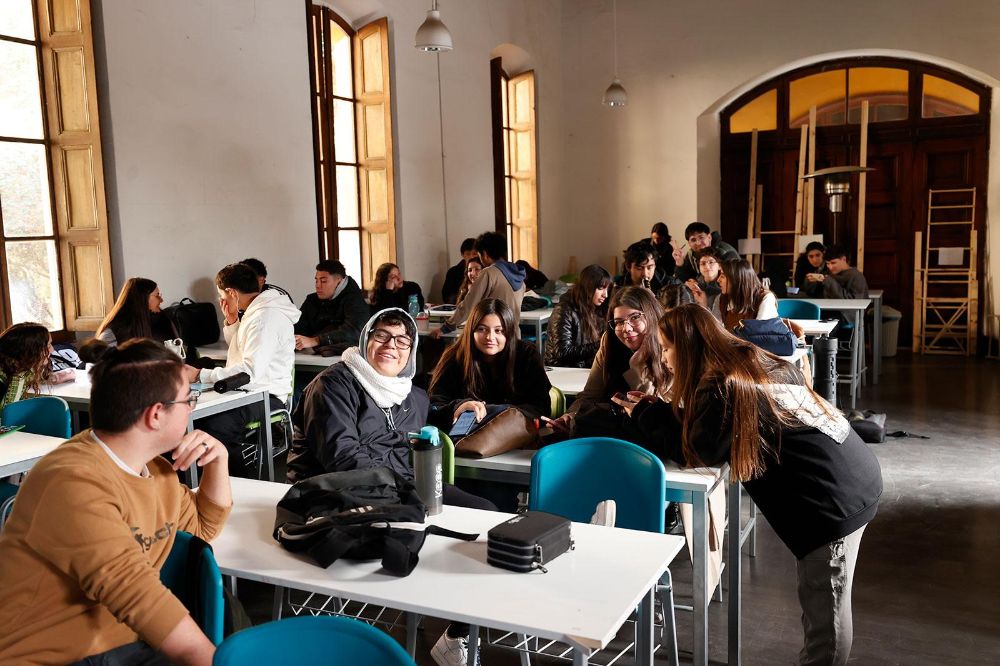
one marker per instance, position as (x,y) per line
(615,95)
(433,35)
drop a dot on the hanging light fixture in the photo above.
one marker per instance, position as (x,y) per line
(615,94)
(432,35)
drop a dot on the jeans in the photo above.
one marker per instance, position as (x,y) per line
(130,654)
(825,577)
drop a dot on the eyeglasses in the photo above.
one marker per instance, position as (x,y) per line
(191,400)
(382,337)
(632,320)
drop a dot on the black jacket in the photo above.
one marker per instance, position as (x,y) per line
(339,427)
(815,491)
(688,269)
(665,264)
(566,345)
(530,395)
(453,282)
(399,298)
(337,321)
(804,268)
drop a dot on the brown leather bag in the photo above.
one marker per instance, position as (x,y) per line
(508,430)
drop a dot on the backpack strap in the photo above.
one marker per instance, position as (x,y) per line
(401,553)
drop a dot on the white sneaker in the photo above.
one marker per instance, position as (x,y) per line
(452,651)
(605,514)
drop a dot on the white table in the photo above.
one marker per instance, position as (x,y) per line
(570,381)
(77,396)
(688,486)
(854,308)
(19,451)
(539,319)
(582,601)
(304,360)
(815,327)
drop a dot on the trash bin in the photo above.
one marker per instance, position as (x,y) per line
(890,329)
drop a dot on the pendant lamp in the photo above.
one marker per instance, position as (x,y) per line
(615,94)
(432,35)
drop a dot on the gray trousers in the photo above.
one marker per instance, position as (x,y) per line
(825,578)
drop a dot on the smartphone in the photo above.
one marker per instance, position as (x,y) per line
(465,422)
(623,397)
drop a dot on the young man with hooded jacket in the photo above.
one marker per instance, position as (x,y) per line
(259,328)
(332,315)
(499,279)
(699,237)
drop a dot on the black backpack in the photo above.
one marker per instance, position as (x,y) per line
(197,323)
(350,514)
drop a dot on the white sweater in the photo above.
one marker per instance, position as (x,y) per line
(262,344)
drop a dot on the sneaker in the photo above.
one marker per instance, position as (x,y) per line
(452,651)
(605,514)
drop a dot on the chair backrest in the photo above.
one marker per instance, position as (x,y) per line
(447,458)
(44,415)
(312,640)
(557,403)
(208,604)
(793,309)
(570,478)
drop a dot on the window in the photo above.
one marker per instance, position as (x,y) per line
(943,98)
(760,113)
(826,91)
(885,88)
(353,132)
(515,162)
(54,257)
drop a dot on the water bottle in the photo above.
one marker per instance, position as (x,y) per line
(825,370)
(427,473)
(413,306)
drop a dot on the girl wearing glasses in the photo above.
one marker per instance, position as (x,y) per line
(577,323)
(489,365)
(628,360)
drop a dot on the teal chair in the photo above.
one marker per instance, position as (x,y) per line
(44,415)
(311,641)
(796,309)
(201,594)
(571,478)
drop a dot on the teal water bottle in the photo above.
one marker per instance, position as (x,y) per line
(413,306)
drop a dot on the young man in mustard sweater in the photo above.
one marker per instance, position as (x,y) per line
(95,520)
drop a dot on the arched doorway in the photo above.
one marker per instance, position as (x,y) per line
(929,128)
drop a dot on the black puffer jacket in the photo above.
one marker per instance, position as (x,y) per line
(336,322)
(567,344)
(339,427)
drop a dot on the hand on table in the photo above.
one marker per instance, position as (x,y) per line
(305,342)
(436,334)
(471,406)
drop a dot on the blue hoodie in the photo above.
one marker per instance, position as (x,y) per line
(515,274)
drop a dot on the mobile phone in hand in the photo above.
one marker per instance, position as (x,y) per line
(463,425)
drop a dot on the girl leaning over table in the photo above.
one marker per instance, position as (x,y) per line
(813,479)
(24,361)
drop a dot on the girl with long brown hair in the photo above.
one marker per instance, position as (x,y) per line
(627,360)
(24,361)
(392,291)
(488,365)
(137,314)
(743,295)
(577,323)
(815,481)
(473,267)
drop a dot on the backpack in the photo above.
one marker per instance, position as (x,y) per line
(350,515)
(769,334)
(197,323)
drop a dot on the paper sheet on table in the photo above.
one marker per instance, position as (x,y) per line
(951,256)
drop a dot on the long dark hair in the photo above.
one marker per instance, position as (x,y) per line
(744,291)
(129,318)
(464,289)
(581,299)
(617,355)
(705,351)
(381,277)
(465,353)
(25,348)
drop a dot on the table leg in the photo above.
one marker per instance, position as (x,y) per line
(877,340)
(855,343)
(644,629)
(74,418)
(412,621)
(700,547)
(266,426)
(753,527)
(580,657)
(734,566)
(191,475)
(473,645)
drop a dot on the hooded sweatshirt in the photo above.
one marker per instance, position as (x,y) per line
(688,269)
(502,280)
(350,417)
(262,344)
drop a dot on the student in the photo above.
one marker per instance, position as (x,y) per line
(24,361)
(391,291)
(95,520)
(810,261)
(706,288)
(473,267)
(639,268)
(842,280)
(488,366)
(456,274)
(699,236)
(534,278)
(356,415)
(333,315)
(743,296)
(137,314)
(577,322)
(500,279)
(660,239)
(627,360)
(261,344)
(258,267)
(817,484)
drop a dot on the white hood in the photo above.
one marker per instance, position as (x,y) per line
(276,302)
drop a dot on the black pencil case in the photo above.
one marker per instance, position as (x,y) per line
(528,541)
